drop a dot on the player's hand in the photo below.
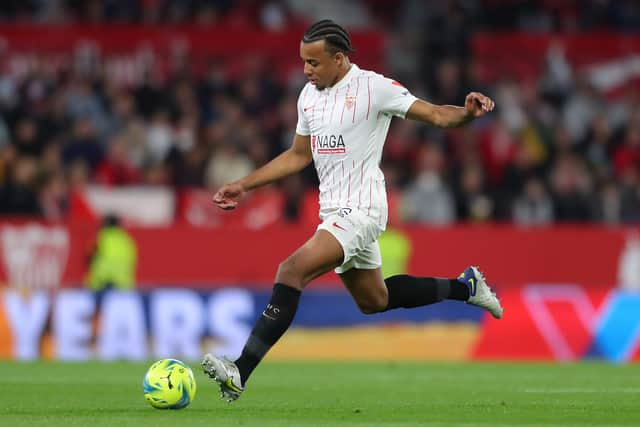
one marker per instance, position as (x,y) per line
(477,104)
(228,196)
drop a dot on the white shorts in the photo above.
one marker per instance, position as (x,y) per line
(357,234)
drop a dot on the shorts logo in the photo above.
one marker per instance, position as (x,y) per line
(336,225)
(344,212)
(328,144)
(349,102)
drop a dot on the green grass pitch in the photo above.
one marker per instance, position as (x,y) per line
(331,394)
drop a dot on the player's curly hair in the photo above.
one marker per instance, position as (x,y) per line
(335,37)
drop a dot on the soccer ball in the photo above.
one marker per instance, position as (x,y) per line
(169,384)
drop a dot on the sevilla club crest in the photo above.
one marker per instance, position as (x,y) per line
(349,102)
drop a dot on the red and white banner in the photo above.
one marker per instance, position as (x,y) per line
(610,61)
(129,52)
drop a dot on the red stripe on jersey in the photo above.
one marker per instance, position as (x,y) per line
(303,97)
(380,211)
(344,105)
(369,209)
(335,101)
(349,186)
(369,90)
(333,182)
(355,103)
(361,178)
(342,181)
(313,113)
(311,118)
(327,171)
(324,176)
(326,98)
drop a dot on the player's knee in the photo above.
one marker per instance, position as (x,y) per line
(370,308)
(367,309)
(373,305)
(288,274)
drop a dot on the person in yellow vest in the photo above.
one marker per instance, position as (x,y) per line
(395,248)
(113,263)
(395,244)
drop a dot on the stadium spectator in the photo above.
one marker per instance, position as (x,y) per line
(53,197)
(597,148)
(26,138)
(226,164)
(18,194)
(534,206)
(570,186)
(115,167)
(114,260)
(607,206)
(428,199)
(473,201)
(83,144)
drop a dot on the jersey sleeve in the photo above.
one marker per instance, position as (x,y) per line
(392,97)
(302,128)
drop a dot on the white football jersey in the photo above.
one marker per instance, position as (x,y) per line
(348,125)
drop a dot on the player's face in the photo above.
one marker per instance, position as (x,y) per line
(320,67)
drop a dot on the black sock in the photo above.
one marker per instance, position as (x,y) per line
(271,325)
(410,291)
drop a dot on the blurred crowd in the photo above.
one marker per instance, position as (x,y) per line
(527,15)
(555,150)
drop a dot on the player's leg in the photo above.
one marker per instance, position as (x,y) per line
(363,278)
(373,294)
(318,255)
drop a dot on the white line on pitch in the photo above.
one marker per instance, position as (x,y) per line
(582,390)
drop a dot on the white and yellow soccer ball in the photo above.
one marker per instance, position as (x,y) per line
(169,384)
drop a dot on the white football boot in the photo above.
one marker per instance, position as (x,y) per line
(226,374)
(480,293)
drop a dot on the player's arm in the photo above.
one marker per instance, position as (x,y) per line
(447,116)
(293,160)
